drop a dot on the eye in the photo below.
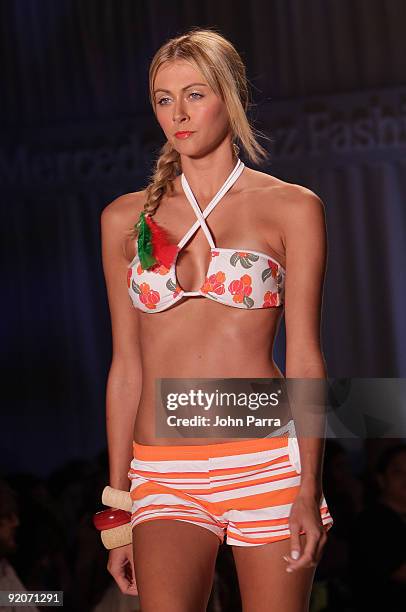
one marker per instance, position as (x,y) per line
(193,93)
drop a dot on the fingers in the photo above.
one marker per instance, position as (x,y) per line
(121,579)
(295,544)
(315,541)
(308,559)
(123,573)
(131,588)
(126,584)
(321,543)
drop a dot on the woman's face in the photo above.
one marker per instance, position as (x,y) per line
(184,102)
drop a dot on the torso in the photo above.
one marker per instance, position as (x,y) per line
(199,338)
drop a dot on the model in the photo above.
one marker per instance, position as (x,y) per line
(215,251)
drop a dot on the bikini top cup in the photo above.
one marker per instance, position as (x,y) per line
(237,277)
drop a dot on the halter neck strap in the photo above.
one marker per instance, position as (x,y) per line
(201,215)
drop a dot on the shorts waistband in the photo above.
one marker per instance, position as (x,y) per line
(174,452)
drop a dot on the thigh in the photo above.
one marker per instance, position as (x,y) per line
(174,565)
(264,583)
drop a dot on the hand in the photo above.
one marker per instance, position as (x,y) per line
(121,567)
(305,517)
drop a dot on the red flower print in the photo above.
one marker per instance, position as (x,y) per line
(214,283)
(270,299)
(172,285)
(157,269)
(219,289)
(235,287)
(274,267)
(240,289)
(242,285)
(271,271)
(160,269)
(215,253)
(246,280)
(129,274)
(149,297)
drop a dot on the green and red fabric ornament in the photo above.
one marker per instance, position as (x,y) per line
(154,246)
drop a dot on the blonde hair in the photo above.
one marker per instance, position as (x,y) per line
(219,62)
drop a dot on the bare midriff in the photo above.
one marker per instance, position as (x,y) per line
(199,338)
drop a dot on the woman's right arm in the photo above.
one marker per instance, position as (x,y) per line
(124,382)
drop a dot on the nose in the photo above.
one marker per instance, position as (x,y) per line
(179,112)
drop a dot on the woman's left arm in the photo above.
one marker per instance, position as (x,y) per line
(306,254)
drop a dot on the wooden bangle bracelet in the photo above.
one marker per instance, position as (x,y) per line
(115,522)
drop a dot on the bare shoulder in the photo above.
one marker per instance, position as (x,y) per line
(289,202)
(303,212)
(289,195)
(124,209)
(117,220)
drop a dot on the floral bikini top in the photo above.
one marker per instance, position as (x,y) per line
(236,277)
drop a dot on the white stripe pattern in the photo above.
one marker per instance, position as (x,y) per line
(252,504)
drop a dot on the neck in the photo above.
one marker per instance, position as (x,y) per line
(205,176)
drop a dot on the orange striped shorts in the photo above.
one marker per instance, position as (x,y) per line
(241,490)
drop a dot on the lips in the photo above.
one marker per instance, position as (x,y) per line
(183,134)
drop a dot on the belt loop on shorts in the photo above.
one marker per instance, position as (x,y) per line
(293,447)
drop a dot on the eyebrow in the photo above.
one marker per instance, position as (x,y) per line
(183,88)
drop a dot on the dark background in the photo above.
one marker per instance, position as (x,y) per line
(77,130)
